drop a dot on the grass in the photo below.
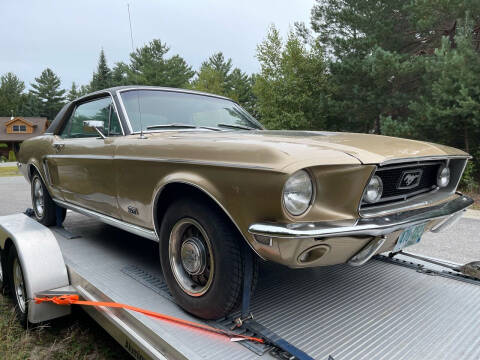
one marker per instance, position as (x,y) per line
(9,171)
(73,337)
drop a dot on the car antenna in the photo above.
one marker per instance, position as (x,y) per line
(136,75)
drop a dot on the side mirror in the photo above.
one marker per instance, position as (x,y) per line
(94,125)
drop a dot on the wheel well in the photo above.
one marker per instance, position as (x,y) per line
(175,191)
(6,249)
(7,246)
(31,170)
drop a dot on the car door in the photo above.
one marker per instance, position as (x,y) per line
(81,167)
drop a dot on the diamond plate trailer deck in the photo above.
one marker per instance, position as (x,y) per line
(386,309)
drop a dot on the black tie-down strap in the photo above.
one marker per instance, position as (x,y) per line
(275,340)
(246,318)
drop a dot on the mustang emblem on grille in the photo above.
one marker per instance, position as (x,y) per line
(410,179)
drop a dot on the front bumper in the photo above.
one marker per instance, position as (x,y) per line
(367,229)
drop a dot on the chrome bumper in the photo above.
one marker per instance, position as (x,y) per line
(375,226)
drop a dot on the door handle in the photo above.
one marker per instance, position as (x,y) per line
(58,146)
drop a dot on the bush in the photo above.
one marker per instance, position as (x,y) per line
(11,156)
(469,181)
(3,159)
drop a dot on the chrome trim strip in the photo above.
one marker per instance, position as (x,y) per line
(364,226)
(38,170)
(414,164)
(134,229)
(193,162)
(424,158)
(382,201)
(89,157)
(160,160)
(124,111)
(157,194)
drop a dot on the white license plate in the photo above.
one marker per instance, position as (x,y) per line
(410,236)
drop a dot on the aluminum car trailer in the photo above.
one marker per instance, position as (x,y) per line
(389,308)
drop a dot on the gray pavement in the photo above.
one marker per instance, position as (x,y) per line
(459,244)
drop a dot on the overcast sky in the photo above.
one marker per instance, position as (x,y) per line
(67,35)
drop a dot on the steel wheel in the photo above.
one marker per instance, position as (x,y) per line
(38,197)
(19,285)
(190,254)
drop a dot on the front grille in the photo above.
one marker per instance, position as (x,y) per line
(392,186)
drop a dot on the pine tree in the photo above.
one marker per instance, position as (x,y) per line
(11,94)
(102,78)
(217,77)
(73,93)
(120,74)
(149,66)
(46,89)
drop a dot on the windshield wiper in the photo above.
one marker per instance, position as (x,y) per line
(173,125)
(231,126)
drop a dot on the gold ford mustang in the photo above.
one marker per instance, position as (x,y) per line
(198,174)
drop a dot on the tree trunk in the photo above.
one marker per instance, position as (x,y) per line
(376,128)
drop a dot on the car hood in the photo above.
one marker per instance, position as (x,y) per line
(303,148)
(367,148)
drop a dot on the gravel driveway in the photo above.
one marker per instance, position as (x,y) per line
(459,244)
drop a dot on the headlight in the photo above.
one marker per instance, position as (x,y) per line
(298,193)
(443,177)
(374,190)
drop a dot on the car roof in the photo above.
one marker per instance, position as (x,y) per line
(114,89)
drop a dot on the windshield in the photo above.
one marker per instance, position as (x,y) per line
(156,108)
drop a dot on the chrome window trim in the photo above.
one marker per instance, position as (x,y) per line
(84,102)
(166,89)
(134,229)
(461,174)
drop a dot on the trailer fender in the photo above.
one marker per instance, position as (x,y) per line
(41,261)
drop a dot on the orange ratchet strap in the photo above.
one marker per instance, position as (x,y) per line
(74,300)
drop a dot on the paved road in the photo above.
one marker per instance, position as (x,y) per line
(459,244)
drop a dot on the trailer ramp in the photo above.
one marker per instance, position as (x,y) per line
(386,309)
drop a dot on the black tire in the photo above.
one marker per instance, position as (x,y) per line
(17,286)
(43,206)
(222,294)
(3,273)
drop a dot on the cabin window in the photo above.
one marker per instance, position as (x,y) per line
(19,128)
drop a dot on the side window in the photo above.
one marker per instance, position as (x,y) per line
(98,109)
(114,128)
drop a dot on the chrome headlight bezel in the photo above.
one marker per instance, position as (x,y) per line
(374,182)
(302,177)
(444,173)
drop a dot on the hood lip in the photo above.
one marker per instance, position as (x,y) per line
(422,158)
